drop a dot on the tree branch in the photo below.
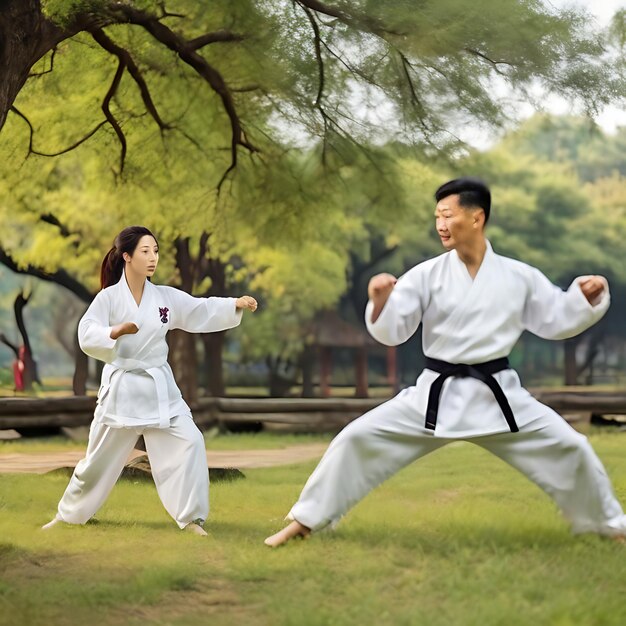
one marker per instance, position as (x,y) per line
(165,13)
(49,218)
(417,103)
(320,7)
(32,150)
(18,307)
(52,219)
(5,341)
(123,55)
(317,40)
(492,62)
(218,36)
(351,68)
(190,56)
(360,22)
(60,277)
(110,117)
(318,55)
(36,74)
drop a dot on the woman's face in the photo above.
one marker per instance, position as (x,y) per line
(144,260)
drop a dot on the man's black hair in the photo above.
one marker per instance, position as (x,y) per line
(472,192)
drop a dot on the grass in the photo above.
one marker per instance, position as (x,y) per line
(457,538)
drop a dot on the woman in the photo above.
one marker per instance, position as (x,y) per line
(125,327)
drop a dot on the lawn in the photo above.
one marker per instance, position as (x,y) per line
(458,538)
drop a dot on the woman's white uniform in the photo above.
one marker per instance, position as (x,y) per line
(138,396)
(471,322)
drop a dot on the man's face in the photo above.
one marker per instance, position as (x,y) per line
(457,226)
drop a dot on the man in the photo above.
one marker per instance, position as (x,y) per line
(473,305)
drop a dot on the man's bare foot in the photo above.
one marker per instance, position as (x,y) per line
(50,524)
(196,529)
(295,529)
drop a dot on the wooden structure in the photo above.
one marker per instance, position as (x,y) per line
(330,331)
(293,415)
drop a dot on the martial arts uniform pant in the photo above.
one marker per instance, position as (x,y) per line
(177,458)
(380,443)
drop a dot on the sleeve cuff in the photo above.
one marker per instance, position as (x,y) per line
(238,313)
(107,341)
(368,314)
(600,303)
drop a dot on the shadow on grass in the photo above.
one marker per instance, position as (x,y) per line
(124,524)
(104,523)
(10,555)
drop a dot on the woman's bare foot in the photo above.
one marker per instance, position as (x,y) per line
(196,529)
(50,524)
(295,529)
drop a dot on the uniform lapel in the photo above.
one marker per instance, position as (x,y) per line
(470,294)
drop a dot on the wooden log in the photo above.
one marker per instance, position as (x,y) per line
(291,418)
(57,420)
(303,428)
(292,405)
(37,406)
(301,413)
(205,422)
(573,401)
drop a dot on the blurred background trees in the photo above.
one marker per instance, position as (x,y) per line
(290,149)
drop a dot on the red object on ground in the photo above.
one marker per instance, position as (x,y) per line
(18,369)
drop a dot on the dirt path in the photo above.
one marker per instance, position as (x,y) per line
(241,459)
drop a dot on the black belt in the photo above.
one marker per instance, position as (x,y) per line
(481,371)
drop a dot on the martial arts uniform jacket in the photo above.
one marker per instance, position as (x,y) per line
(138,388)
(471,321)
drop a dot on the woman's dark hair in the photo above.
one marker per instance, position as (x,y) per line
(472,192)
(113,264)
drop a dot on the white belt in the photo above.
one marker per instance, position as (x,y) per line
(160,383)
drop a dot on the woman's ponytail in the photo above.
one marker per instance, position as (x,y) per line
(111,269)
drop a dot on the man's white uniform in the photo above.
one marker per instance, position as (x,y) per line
(469,321)
(138,396)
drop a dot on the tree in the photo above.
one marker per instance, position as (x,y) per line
(170,100)
(546,214)
(25,360)
(307,62)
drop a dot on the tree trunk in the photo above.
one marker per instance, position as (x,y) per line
(392,368)
(184,363)
(81,370)
(571,371)
(213,348)
(360,366)
(183,357)
(31,374)
(326,367)
(214,342)
(307,363)
(25,36)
